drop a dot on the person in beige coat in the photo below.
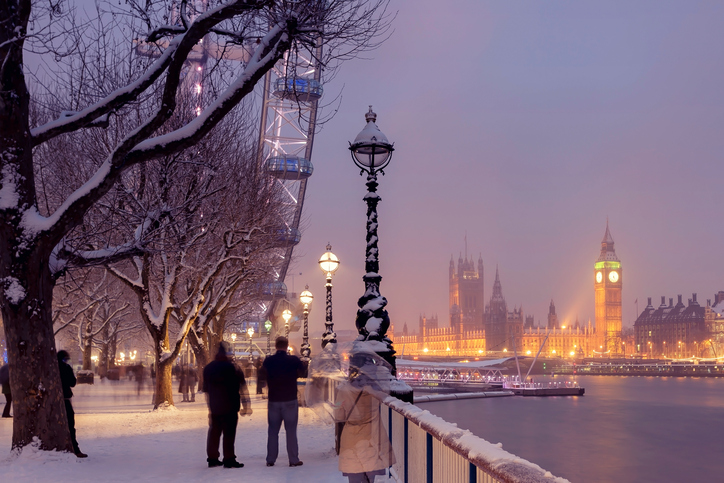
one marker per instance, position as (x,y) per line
(365,449)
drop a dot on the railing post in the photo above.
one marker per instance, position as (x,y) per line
(407,444)
(389,422)
(429,458)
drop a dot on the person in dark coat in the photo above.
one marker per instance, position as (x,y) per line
(67,379)
(183,383)
(5,382)
(259,381)
(226,393)
(191,379)
(280,372)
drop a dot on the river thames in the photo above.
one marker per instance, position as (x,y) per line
(625,429)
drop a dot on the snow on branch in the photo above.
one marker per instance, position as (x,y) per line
(69,122)
(269,50)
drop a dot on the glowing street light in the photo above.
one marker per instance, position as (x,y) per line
(286,315)
(372,152)
(329,263)
(268,327)
(250,333)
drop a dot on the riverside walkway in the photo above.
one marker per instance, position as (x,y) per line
(127,441)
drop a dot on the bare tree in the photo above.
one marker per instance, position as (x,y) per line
(251,233)
(217,224)
(33,244)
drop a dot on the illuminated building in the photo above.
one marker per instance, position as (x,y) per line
(496,331)
(467,292)
(608,279)
(681,331)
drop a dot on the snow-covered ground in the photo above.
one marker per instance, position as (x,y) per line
(126,441)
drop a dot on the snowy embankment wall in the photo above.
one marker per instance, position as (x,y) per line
(428,448)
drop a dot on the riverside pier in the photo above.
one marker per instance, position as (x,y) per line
(662,368)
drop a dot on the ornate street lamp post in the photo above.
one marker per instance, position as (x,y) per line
(268,327)
(286,315)
(329,263)
(372,152)
(306,298)
(233,342)
(250,331)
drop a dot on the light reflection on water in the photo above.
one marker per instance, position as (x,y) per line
(625,429)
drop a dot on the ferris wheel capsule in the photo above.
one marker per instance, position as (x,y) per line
(289,167)
(299,89)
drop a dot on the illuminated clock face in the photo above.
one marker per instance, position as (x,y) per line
(599,277)
(613,276)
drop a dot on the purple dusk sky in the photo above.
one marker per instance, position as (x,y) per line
(524,125)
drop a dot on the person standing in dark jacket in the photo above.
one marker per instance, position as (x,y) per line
(67,379)
(280,372)
(226,392)
(5,382)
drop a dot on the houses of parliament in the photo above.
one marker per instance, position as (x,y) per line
(478,329)
(668,331)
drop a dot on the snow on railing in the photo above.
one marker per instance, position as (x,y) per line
(429,449)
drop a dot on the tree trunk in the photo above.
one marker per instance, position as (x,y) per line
(202,359)
(163,392)
(38,405)
(112,349)
(87,348)
(103,356)
(103,361)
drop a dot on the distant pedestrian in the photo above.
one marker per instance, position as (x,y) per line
(140,376)
(183,382)
(5,381)
(67,380)
(190,386)
(280,372)
(259,380)
(226,395)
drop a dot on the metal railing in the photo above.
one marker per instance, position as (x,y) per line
(428,449)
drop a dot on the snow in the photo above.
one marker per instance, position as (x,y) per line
(256,62)
(126,441)
(8,192)
(375,304)
(373,325)
(14,292)
(483,453)
(34,223)
(375,345)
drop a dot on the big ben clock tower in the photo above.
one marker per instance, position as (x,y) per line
(608,282)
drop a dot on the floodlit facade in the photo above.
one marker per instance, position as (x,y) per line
(681,330)
(495,330)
